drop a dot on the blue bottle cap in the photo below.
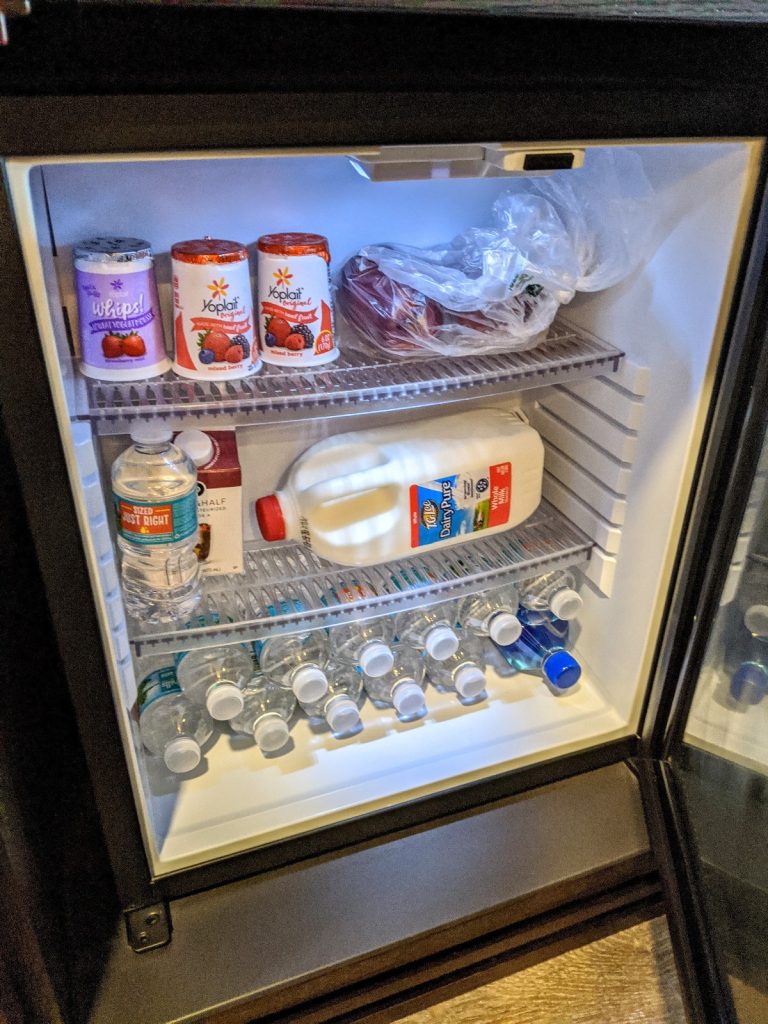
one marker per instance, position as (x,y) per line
(561,669)
(749,683)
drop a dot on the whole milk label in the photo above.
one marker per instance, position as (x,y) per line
(159,683)
(460,504)
(156,522)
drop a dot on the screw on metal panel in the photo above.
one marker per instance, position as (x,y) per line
(151,919)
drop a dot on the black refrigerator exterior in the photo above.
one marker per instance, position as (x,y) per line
(377,915)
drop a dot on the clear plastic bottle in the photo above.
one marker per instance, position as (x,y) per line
(295,663)
(430,629)
(154,489)
(542,648)
(365,645)
(340,707)
(266,713)
(171,726)
(214,676)
(745,659)
(752,594)
(554,592)
(403,687)
(492,614)
(463,672)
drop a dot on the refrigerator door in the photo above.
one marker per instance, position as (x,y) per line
(707,793)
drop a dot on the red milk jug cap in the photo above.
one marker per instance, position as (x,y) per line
(270,517)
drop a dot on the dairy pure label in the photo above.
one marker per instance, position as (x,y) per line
(213,320)
(463,503)
(295,313)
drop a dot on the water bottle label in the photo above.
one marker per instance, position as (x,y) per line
(163,522)
(280,608)
(159,683)
(347,592)
(462,503)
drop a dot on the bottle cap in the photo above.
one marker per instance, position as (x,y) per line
(505,628)
(408,698)
(271,733)
(223,701)
(197,445)
(749,683)
(561,669)
(342,715)
(376,659)
(756,619)
(309,683)
(270,517)
(566,603)
(441,642)
(182,754)
(150,433)
(470,681)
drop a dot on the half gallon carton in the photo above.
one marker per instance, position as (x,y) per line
(220,507)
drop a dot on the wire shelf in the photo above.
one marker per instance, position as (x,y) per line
(354,380)
(302,589)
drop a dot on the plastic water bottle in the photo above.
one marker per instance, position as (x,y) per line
(267,710)
(542,648)
(752,595)
(553,592)
(402,688)
(429,629)
(295,663)
(340,707)
(745,659)
(154,489)
(365,645)
(463,672)
(492,614)
(214,676)
(171,726)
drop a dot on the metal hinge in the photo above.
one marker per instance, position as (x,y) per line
(11,8)
(148,927)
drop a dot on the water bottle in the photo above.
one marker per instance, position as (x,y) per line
(553,592)
(364,645)
(154,489)
(171,726)
(402,688)
(429,629)
(295,663)
(463,672)
(340,707)
(492,614)
(752,595)
(542,648)
(214,676)
(267,710)
(745,659)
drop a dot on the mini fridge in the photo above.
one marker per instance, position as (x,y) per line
(352,876)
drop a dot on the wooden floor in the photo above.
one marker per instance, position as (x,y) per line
(627,978)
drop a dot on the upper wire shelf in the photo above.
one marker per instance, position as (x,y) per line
(302,590)
(355,380)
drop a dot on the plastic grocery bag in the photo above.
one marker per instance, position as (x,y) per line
(498,288)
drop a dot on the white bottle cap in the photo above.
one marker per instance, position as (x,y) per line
(566,604)
(408,698)
(309,684)
(271,733)
(342,715)
(756,619)
(182,754)
(223,701)
(441,642)
(505,628)
(150,433)
(470,681)
(376,659)
(197,445)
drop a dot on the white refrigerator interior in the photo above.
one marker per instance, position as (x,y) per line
(621,432)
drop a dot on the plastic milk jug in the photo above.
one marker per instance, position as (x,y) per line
(371,496)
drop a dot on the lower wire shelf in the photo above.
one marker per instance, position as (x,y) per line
(286,588)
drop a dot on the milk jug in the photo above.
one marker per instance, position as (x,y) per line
(371,496)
